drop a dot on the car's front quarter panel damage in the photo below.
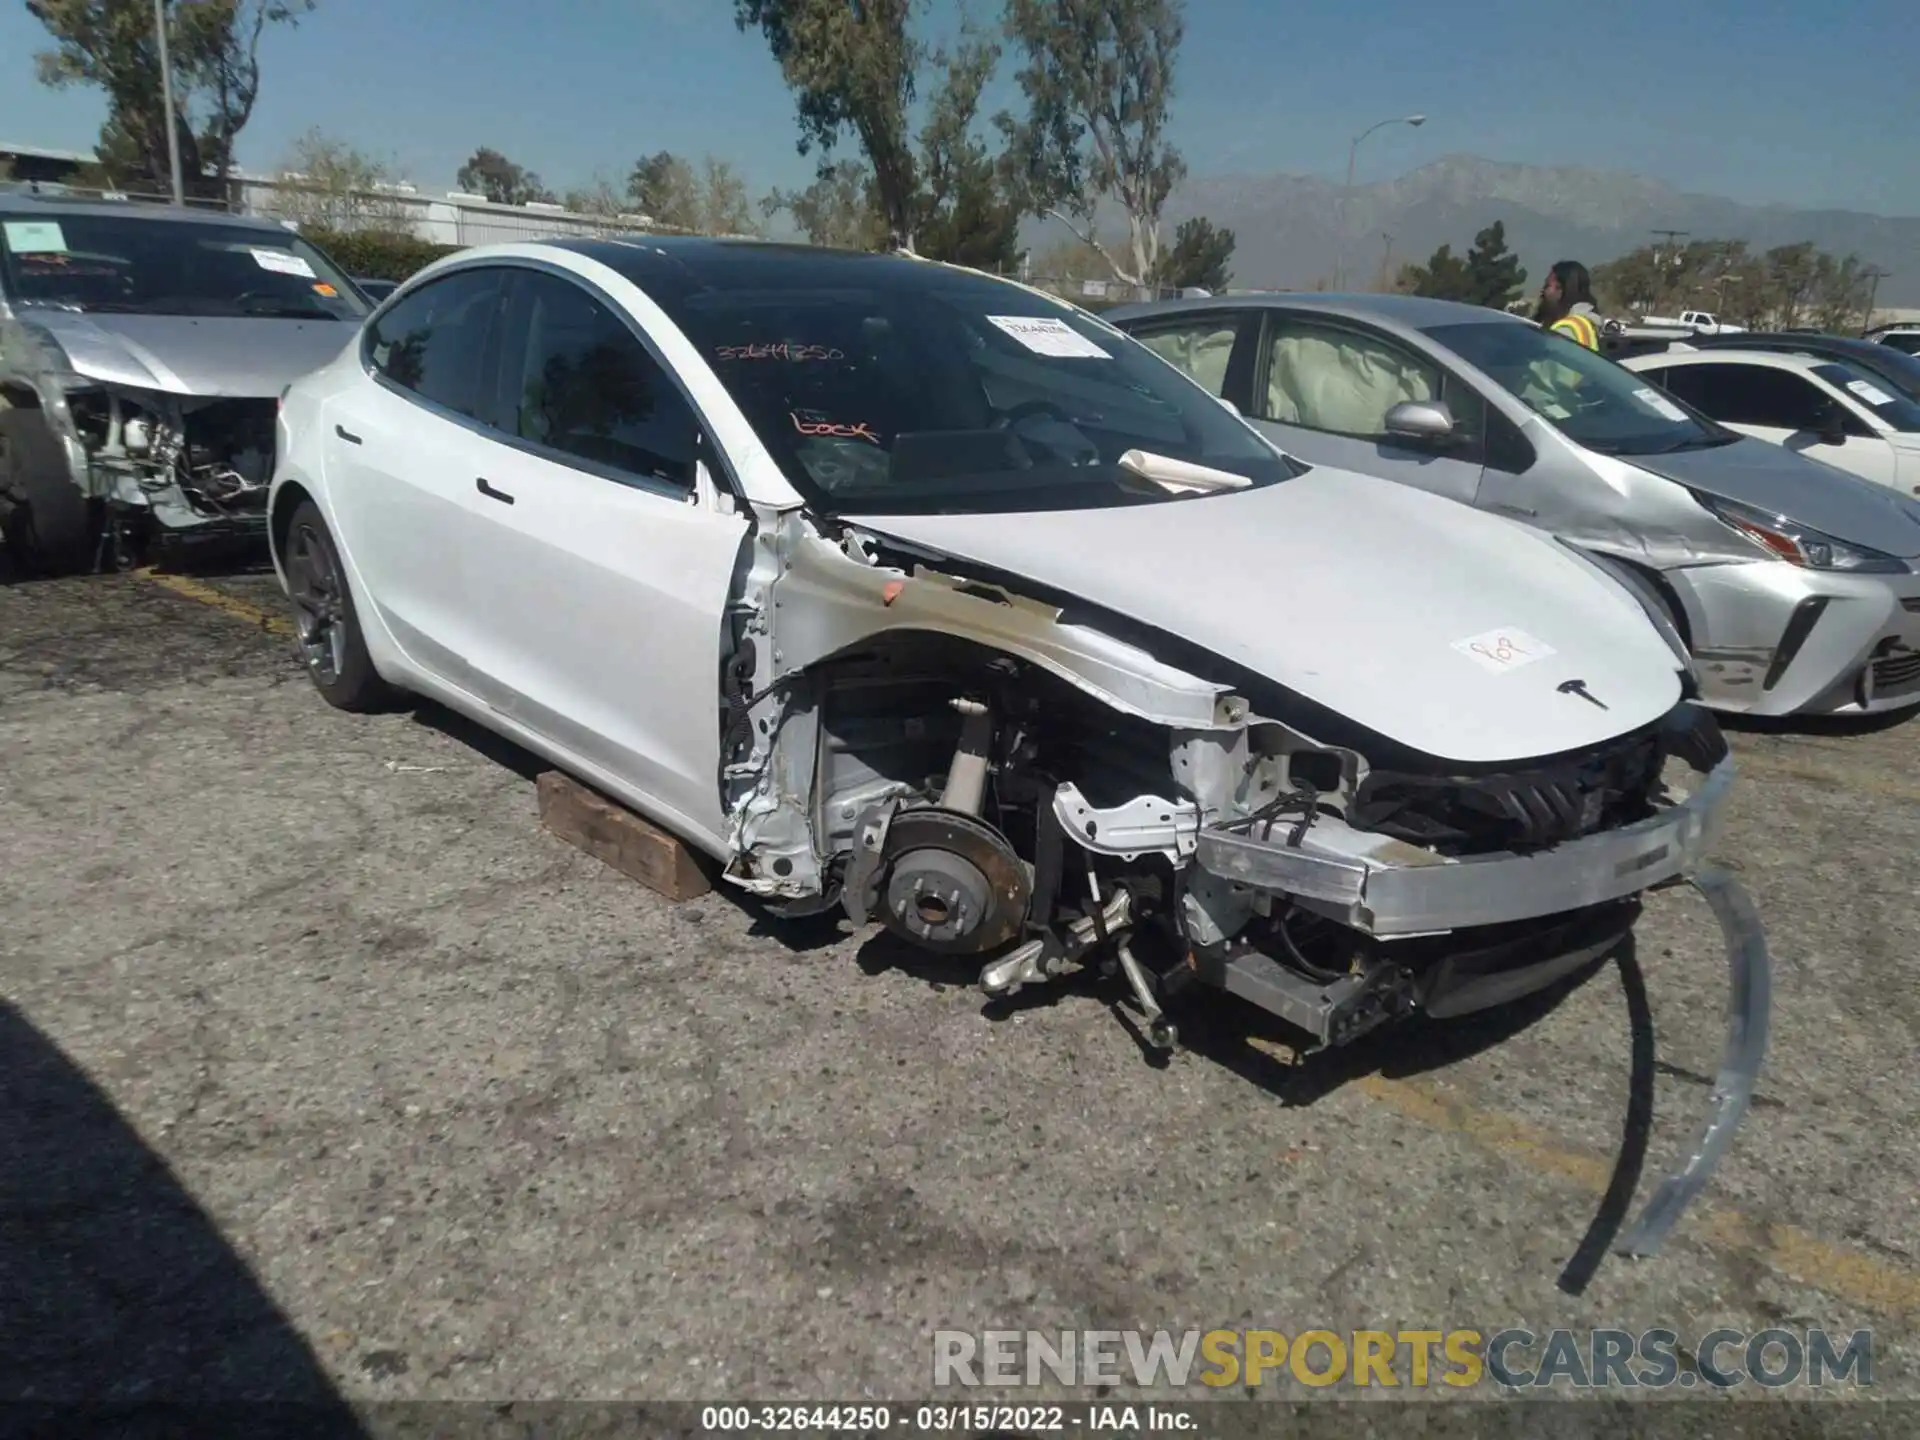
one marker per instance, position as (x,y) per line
(992,774)
(177,462)
(807,601)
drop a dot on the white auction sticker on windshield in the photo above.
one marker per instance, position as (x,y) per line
(282,263)
(1044,335)
(35,237)
(1656,401)
(1870,392)
(1503,650)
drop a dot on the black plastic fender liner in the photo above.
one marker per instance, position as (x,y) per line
(1749,1010)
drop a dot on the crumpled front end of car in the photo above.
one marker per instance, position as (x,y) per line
(153,463)
(1038,787)
(189,463)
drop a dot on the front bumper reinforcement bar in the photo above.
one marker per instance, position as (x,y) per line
(1390,890)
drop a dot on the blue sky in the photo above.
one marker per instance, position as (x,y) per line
(1760,100)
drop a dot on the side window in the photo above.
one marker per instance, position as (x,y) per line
(1202,346)
(577,381)
(1345,381)
(1685,381)
(1753,395)
(433,342)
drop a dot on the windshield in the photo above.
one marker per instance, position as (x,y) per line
(122,263)
(950,393)
(1591,400)
(1873,392)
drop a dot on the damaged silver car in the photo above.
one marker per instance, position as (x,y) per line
(142,353)
(1795,586)
(897,587)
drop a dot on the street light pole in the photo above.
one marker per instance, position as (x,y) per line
(166,95)
(1353,150)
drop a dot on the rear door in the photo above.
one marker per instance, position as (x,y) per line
(1322,387)
(1784,407)
(401,449)
(602,567)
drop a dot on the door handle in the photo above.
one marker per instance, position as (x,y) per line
(492,494)
(345,435)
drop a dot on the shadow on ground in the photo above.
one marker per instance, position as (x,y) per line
(121,1299)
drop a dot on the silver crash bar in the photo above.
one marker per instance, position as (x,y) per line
(1388,889)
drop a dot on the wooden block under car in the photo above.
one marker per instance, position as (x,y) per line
(616,836)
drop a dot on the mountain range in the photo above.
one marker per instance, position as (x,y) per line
(1288,227)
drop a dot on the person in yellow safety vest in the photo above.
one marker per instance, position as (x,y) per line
(1566,304)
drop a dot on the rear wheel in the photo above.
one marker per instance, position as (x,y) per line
(51,527)
(331,641)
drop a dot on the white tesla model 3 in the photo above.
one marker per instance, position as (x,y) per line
(892,584)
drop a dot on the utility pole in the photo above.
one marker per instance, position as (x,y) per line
(1669,236)
(166,95)
(1386,261)
(1874,276)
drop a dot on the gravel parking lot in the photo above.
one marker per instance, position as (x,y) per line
(328,1071)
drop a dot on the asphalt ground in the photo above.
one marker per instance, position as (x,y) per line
(329,1073)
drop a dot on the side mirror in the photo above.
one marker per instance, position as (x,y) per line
(1420,420)
(1832,425)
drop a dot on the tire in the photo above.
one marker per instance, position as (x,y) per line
(326,620)
(51,527)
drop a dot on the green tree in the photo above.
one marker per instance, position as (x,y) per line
(939,192)
(1070,261)
(599,196)
(664,187)
(1786,286)
(1445,276)
(1199,256)
(214,48)
(1494,276)
(1794,274)
(724,206)
(1098,78)
(329,185)
(968,207)
(1842,294)
(852,67)
(709,200)
(489,173)
(836,210)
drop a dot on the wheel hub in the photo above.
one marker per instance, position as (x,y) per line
(953,883)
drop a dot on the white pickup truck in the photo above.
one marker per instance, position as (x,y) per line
(1702,322)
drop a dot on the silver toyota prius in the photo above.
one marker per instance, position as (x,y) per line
(1795,586)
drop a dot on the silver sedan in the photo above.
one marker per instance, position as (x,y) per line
(1794,586)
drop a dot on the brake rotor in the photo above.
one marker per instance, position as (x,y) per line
(954,884)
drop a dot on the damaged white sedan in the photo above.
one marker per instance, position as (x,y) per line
(895,586)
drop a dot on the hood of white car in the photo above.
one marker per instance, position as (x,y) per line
(1450,631)
(193,355)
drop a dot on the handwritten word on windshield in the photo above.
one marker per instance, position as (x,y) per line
(837,432)
(781,351)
